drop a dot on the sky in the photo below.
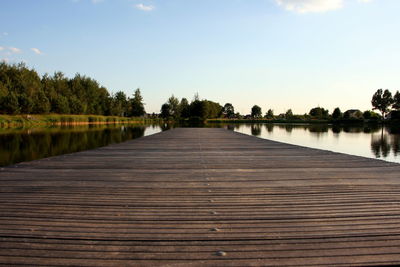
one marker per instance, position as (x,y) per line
(278,54)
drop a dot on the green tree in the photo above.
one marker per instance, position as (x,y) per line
(173,103)
(119,104)
(137,105)
(197,108)
(76,106)
(382,101)
(256,111)
(26,103)
(396,101)
(289,114)
(228,110)
(165,111)
(9,104)
(62,105)
(337,114)
(269,114)
(184,108)
(319,113)
(42,103)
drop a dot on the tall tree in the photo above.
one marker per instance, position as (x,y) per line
(119,104)
(137,105)
(256,111)
(337,114)
(382,101)
(165,111)
(228,110)
(173,103)
(396,101)
(289,114)
(319,113)
(269,114)
(184,108)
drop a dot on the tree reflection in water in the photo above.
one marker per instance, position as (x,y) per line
(388,141)
(19,145)
(256,129)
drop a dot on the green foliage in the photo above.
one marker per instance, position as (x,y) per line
(289,114)
(42,103)
(198,110)
(184,108)
(256,112)
(269,114)
(22,90)
(173,104)
(228,110)
(319,113)
(9,104)
(137,105)
(61,105)
(119,104)
(396,101)
(165,111)
(382,100)
(25,103)
(337,114)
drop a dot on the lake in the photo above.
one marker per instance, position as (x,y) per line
(368,141)
(17,145)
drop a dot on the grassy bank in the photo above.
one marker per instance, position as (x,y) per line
(7,121)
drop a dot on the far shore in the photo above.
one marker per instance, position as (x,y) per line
(13,121)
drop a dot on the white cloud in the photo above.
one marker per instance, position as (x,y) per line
(37,51)
(5,33)
(15,50)
(97,1)
(144,7)
(306,6)
(2,48)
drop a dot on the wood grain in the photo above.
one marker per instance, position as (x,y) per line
(200,197)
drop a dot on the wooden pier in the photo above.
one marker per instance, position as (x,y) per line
(200,197)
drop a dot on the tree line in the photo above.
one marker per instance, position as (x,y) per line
(382,100)
(199,109)
(24,91)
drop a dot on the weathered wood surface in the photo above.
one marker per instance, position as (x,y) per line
(179,197)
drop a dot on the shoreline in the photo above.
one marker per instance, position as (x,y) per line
(17,121)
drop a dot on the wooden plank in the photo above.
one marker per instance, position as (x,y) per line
(179,197)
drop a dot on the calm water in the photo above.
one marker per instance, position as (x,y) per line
(367,141)
(19,145)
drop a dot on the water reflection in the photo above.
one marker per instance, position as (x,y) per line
(19,145)
(385,144)
(364,140)
(380,146)
(256,129)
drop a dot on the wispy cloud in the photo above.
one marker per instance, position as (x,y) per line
(144,7)
(37,51)
(306,6)
(15,50)
(2,48)
(313,6)
(97,1)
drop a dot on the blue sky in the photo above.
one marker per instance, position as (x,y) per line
(279,54)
